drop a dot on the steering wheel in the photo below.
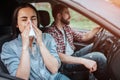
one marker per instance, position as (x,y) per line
(98,38)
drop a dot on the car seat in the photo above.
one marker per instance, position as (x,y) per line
(44,19)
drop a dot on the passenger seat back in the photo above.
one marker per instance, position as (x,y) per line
(44,19)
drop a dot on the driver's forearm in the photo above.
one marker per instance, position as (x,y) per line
(90,34)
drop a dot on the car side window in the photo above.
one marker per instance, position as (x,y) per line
(80,22)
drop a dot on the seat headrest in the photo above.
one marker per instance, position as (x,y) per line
(44,18)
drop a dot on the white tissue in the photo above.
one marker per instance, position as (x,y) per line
(31,33)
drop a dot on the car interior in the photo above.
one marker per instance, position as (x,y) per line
(104,41)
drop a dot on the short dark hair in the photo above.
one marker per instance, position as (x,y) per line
(15,16)
(58,9)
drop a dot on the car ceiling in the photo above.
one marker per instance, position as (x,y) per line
(30,1)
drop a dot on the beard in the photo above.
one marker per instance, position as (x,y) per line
(66,22)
